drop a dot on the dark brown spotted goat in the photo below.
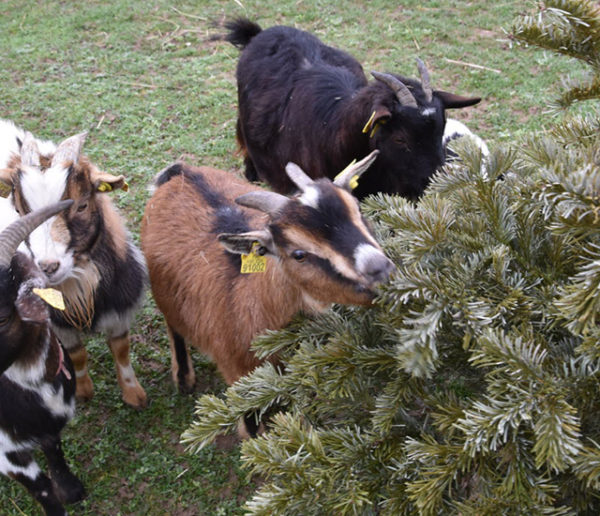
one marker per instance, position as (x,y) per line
(317,248)
(303,101)
(37,380)
(85,252)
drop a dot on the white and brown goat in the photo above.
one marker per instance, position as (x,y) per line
(317,246)
(85,252)
(37,380)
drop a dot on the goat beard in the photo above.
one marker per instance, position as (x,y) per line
(78,292)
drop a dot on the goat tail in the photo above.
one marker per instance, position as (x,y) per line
(241,31)
(176,169)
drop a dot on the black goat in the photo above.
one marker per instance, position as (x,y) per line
(37,379)
(303,101)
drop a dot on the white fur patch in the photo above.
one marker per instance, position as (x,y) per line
(455,129)
(116,324)
(8,214)
(32,470)
(41,189)
(310,197)
(363,254)
(127,374)
(428,111)
(9,145)
(54,401)
(30,375)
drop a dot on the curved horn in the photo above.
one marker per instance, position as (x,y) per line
(14,234)
(405,97)
(69,149)
(30,154)
(268,202)
(300,178)
(354,171)
(425,80)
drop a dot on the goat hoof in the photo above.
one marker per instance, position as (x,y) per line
(84,390)
(136,398)
(70,490)
(186,387)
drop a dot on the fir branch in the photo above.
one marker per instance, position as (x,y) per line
(587,466)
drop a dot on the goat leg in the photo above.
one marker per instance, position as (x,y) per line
(85,387)
(182,368)
(21,467)
(133,393)
(67,486)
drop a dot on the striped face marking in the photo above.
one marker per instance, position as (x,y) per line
(326,223)
(49,242)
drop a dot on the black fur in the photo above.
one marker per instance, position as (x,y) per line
(306,102)
(181,355)
(227,216)
(121,281)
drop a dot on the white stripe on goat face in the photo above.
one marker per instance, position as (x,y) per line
(49,242)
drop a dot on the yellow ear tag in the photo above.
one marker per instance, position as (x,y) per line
(375,129)
(51,296)
(253,262)
(354,181)
(4,190)
(105,187)
(367,126)
(125,187)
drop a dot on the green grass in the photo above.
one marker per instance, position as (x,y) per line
(150,86)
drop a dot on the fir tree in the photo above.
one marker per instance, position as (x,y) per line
(472,386)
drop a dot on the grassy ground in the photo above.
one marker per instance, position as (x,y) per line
(150,86)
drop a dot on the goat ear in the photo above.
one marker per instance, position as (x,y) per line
(6,181)
(104,182)
(380,115)
(241,243)
(30,306)
(453,101)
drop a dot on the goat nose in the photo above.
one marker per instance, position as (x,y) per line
(49,267)
(379,270)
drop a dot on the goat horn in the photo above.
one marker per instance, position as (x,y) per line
(425,80)
(69,149)
(354,171)
(300,178)
(405,97)
(268,202)
(30,154)
(14,234)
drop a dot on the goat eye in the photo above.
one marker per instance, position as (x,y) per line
(4,320)
(82,207)
(299,255)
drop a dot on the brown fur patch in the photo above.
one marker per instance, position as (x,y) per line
(59,232)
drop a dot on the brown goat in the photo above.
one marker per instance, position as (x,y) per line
(317,246)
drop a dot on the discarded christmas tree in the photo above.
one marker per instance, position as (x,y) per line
(472,386)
